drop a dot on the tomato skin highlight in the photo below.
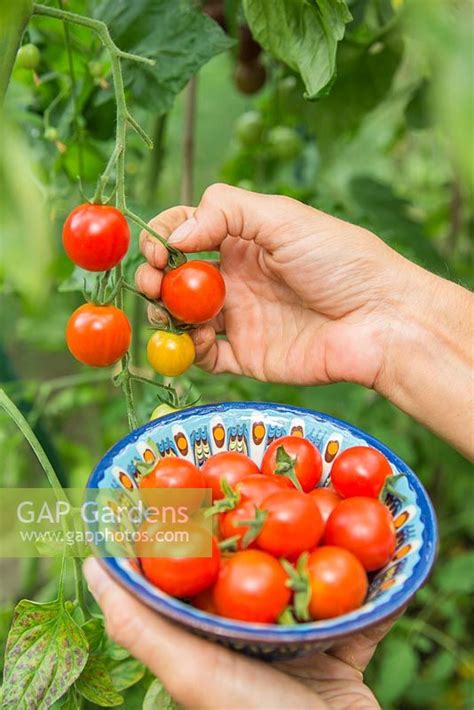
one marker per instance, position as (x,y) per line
(232,466)
(98,336)
(338,582)
(181,576)
(308,465)
(326,500)
(360,471)
(364,526)
(293,524)
(170,354)
(251,586)
(96,237)
(194,292)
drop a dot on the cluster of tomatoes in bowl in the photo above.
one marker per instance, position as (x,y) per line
(283,549)
(96,238)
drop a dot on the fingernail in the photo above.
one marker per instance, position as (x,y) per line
(183,231)
(97,580)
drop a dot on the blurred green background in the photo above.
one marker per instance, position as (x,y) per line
(388,147)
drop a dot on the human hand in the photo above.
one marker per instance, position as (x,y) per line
(310,298)
(204,675)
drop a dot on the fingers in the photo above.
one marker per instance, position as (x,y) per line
(165,223)
(212,355)
(148,280)
(196,673)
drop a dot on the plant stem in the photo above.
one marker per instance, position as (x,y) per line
(15,414)
(147,381)
(79,587)
(188,143)
(14,17)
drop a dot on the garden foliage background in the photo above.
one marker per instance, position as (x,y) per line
(387,144)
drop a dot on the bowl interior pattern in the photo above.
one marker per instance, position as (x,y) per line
(196,434)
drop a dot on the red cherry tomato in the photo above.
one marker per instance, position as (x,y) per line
(257,487)
(173,472)
(360,471)
(365,527)
(205,601)
(98,336)
(183,576)
(194,292)
(229,465)
(229,521)
(326,500)
(96,237)
(252,587)
(293,524)
(307,460)
(338,582)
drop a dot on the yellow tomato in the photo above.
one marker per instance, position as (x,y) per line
(170,354)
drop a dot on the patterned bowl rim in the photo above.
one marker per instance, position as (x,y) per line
(315,631)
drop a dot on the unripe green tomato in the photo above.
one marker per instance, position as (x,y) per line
(284,143)
(161,410)
(96,69)
(249,128)
(28,56)
(51,134)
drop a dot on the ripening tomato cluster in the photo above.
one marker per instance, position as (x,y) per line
(96,238)
(283,550)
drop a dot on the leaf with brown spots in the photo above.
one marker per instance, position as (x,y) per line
(46,651)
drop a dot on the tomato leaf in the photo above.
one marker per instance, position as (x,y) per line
(46,651)
(125,673)
(158,697)
(173,32)
(304,35)
(391,685)
(95,683)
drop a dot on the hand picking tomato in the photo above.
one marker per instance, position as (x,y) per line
(194,292)
(170,354)
(338,582)
(326,500)
(230,465)
(364,526)
(360,471)
(98,336)
(296,458)
(292,525)
(257,487)
(251,586)
(96,237)
(183,576)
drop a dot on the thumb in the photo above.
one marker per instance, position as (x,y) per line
(230,211)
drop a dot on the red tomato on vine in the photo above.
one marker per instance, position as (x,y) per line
(96,237)
(98,336)
(193,292)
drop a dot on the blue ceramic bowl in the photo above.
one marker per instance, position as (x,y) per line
(249,427)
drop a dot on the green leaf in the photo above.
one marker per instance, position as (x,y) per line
(175,33)
(158,697)
(304,35)
(457,574)
(79,280)
(95,683)
(396,671)
(23,222)
(46,651)
(71,701)
(125,673)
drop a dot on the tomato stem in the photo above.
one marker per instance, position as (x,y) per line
(176,257)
